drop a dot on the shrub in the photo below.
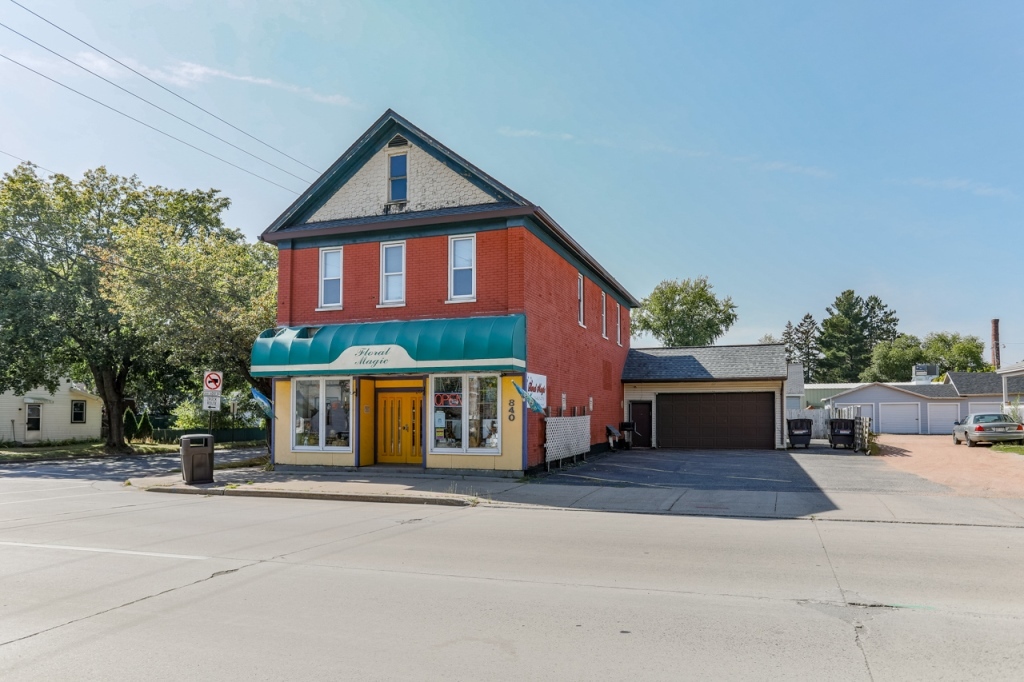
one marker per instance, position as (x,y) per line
(145,430)
(131,425)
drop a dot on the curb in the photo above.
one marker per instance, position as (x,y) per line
(297,495)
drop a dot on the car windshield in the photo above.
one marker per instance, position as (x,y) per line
(990,418)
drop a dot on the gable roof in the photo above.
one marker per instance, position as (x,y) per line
(507,204)
(706,363)
(920,390)
(983,383)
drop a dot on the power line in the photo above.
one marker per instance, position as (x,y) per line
(156,106)
(166,89)
(140,122)
(18,158)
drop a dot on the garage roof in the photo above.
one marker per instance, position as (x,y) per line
(984,383)
(706,363)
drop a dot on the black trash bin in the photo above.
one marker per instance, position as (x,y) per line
(627,429)
(197,458)
(840,432)
(799,432)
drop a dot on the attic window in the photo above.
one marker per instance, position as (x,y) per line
(398,181)
(398,141)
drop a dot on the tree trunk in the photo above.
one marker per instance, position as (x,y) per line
(112,392)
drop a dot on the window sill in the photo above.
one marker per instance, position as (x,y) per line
(605,337)
(327,308)
(583,325)
(461,300)
(474,453)
(400,304)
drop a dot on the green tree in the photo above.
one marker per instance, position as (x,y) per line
(200,300)
(59,249)
(131,424)
(685,313)
(802,345)
(845,342)
(145,430)
(768,338)
(953,352)
(894,360)
(880,321)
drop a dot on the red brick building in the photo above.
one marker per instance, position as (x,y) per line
(415,292)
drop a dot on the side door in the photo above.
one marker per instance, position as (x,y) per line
(33,422)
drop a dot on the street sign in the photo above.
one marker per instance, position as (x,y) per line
(212,383)
(211,403)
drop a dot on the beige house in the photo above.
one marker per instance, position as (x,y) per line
(72,413)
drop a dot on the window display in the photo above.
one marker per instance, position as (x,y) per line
(336,418)
(307,412)
(465,414)
(448,412)
(322,418)
(483,412)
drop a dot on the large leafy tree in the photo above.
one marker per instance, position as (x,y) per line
(954,352)
(200,299)
(60,244)
(685,313)
(894,360)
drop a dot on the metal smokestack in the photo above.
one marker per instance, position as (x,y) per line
(995,343)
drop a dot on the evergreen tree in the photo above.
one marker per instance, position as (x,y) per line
(789,341)
(768,338)
(145,430)
(844,341)
(804,341)
(881,321)
(131,425)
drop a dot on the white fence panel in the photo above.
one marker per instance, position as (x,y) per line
(566,437)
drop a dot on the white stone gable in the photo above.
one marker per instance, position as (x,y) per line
(432,185)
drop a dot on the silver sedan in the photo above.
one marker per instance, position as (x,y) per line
(987,428)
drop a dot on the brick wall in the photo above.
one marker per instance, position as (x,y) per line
(426,285)
(576,361)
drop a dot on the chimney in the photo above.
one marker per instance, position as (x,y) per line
(995,343)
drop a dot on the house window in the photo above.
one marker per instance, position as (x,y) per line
(392,273)
(579,299)
(465,414)
(330,278)
(604,315)
(462,268)
(33,417)
(398,178)
(618,323)
(77,411)
(322,416)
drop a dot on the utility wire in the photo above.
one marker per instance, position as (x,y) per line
(166,89)
(156,106)
(18,158)
(140,122)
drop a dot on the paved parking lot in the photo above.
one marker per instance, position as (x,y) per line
(814,470)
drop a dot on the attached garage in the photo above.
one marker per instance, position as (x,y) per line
(899,418)
(709,398)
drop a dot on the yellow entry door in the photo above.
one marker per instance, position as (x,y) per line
(399,428)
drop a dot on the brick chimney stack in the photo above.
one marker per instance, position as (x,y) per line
(995,343)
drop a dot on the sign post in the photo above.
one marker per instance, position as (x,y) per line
(213,382)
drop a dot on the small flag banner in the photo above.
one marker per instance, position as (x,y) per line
(264,401)
(530,401)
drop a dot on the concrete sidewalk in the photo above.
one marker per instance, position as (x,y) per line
(945,509)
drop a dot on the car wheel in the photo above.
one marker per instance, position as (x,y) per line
(970,443)
(956,441)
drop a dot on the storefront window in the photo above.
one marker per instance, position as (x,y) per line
(336,417)
(448,412)
(465,413)
(323,413)
(307,413)
(483,412)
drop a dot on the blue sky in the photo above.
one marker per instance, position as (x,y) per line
(786,150)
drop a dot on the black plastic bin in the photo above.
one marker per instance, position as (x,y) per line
(627,429)
(840,432)
(799,432)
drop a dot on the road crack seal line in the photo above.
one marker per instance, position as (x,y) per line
(126,604)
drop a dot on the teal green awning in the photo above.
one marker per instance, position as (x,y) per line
(461,344)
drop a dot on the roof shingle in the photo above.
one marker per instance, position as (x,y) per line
(984,383)
(706,363)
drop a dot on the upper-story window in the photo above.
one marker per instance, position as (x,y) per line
(330,278)
(579,299)
(618,324)
(398,177)
(462,268)
(604,315)
(392,273)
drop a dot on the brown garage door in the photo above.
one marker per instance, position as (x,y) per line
(716,420)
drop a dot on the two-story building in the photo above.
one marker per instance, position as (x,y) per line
(414,290)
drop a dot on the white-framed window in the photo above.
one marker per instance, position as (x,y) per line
(392,273)
(77,411)
(618,323)
(33,417)
(398,177)
(604,315)
(462,268)
(322,413)
(331,263)
(579,300)
(465,413)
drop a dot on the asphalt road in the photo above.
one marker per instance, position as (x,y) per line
(103,582)
(117,468)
